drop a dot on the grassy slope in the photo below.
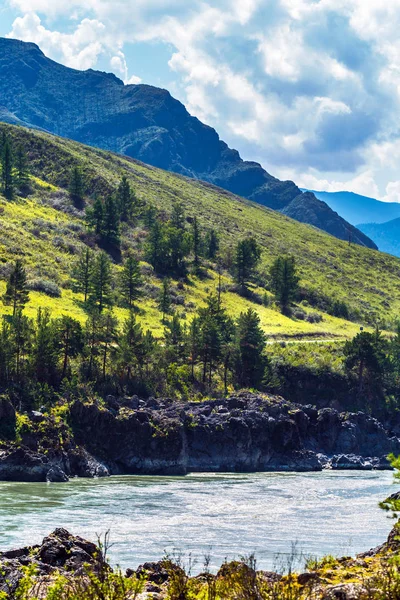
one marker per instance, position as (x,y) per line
(47,232)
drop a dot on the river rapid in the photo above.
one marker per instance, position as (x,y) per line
(273,515)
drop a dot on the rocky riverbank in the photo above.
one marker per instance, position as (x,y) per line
(243,433)
(67,567)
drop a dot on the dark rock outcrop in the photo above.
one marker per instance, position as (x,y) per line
(243,433)
(59,552)
(145,123)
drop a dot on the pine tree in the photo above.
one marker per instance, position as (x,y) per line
(22,177)
(17,294)
(70,340)
(247,256)
(45,351)
(76,186)
(365,358)
(131,346)
(21,337)
(194,344)
(284,280)
(7,163)
(212,322)
(251,340)
(212,244)
(131,281)
(175,340)
(95,216)
(164,298)
(110,231)
(101,281)
(155,251)
(82,273)
(178,216)
(177,247)
(108,335)
(125,199)
(92,341)
(6,352)
(196,242)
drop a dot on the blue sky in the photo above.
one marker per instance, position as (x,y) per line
(309,88)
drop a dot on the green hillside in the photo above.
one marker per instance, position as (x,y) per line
(48,233)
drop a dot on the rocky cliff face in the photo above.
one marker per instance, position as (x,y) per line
(242,433)
(145,123)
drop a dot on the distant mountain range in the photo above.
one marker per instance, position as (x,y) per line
(378,220)
(386,235)
(145,123)
(359,209)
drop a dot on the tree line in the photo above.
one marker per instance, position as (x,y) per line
(213,350)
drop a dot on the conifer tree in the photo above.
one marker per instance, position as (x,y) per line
(212,244)
(164,298)
(251,340)
(125,199)
(95,216)
(22,170)
(6,352)
(247,256)
(284,280)
(82,272)
(178,216)
(110,230)
(70,340)
(175,339)
(7,163)
(108,335)
(21,337)
(92,341)
(177,247)
(194,344)
(155,251)
(76,186)
(131,346)
(101,281)
(45,350)
(17,294)
(131,281)
(196,242)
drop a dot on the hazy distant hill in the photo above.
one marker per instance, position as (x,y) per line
(386,235)
(146,123)
(360,209)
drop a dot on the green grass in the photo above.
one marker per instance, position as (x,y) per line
(48,234)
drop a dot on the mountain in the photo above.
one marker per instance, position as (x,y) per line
(386,235)
(142,122)
(48,232)
(359,209)
(309,209)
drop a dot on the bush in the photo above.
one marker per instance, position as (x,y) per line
(299,314)
(314,318)
(50,288)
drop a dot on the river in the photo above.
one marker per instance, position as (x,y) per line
(220,515)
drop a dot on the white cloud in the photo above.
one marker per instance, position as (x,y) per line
(79,50)
(311,99)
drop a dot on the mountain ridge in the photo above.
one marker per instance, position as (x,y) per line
(142,122)
(387,235)
(358,209)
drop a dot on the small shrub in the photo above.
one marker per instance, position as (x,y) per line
(314,318)
(299,314)
(50,288)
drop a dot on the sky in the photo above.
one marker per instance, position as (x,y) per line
(308,88)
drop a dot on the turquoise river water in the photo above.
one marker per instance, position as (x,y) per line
(219,515)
